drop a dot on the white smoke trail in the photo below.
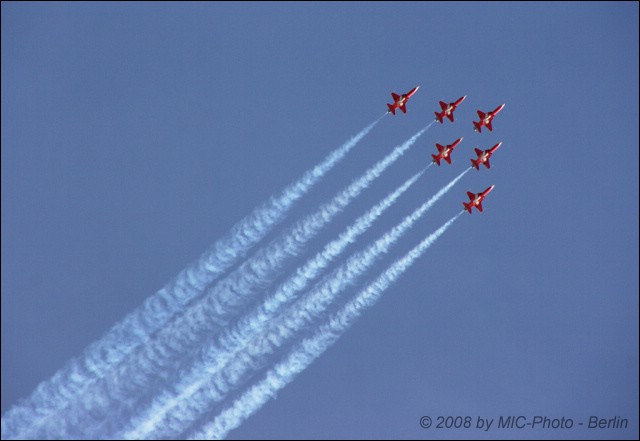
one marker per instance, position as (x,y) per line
(312,347)
(70,381)
(104,406)
(200,396)
(235,338)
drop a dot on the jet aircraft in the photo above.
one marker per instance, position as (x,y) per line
(475,200)
(447,109)
(399,102)
(445,152)
(485,119)
(483,156)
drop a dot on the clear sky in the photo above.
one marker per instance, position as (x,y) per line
(134,135)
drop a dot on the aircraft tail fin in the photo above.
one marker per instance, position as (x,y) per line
(391,108)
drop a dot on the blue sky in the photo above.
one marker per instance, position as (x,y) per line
(135,135)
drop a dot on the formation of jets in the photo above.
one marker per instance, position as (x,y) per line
(444,152)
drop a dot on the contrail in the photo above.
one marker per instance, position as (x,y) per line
(103,407)
(70,381)
(235,338)
(200,396)
(312,347)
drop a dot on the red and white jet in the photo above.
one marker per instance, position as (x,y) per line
(447,109)
(485,119)
(399,102)
(483,156)
(445,152)
(475,200)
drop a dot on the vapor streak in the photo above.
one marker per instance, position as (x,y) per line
(312,347)
(210,389)
(97,359)
(236,337)
(106,407)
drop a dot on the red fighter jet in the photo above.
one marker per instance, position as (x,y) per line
(445,152)
(475,200)
(447,109)
(399,102)
(483,156)
(485,119)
